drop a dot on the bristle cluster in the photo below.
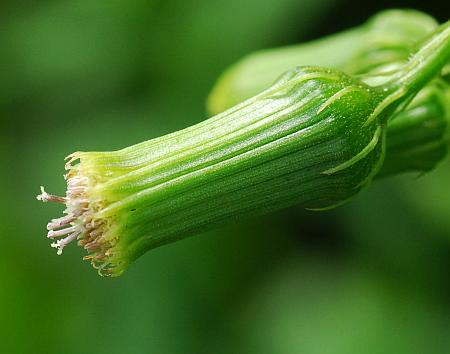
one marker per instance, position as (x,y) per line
(63,229)
(79,222)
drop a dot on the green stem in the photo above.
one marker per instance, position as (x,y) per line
(425,64)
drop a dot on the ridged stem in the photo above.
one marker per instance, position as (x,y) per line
(425,64)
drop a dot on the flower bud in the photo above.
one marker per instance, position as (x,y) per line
(315,138)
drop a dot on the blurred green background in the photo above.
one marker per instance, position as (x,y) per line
(369,277)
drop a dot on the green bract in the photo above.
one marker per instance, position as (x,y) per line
(385,41)
(417,138)
(315,138)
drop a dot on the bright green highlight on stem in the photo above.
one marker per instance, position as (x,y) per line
(314,138)
(383,43)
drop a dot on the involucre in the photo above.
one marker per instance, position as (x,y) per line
(315,138)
